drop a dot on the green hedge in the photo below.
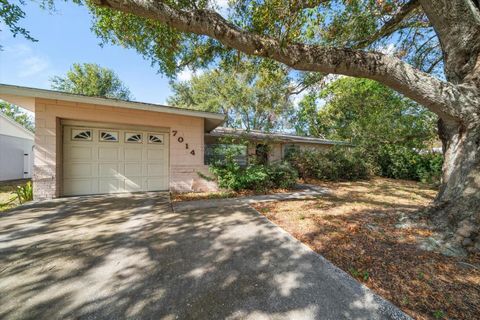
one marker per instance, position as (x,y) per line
(339,163)
(342,163)
(404,163)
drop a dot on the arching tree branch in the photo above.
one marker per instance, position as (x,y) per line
(440,97)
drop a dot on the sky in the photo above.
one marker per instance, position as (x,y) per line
(64,37)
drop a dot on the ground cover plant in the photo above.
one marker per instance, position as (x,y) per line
(8,193)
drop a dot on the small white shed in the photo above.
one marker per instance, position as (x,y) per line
(16,150)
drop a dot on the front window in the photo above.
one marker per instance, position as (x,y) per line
(219,153)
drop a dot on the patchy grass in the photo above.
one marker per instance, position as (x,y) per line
(8,196)
(190,196)
(361,228)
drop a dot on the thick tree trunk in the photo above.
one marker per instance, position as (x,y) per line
(457,206)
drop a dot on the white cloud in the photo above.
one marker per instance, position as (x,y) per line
(29,63)
(32,66)
(388,49)
(187,74)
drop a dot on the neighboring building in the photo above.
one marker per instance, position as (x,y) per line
(16,150)
(91,145)
(272,147)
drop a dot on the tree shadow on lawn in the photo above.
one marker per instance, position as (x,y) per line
(365,237)
(132,257)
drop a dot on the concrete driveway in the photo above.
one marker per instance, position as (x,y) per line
(131,257)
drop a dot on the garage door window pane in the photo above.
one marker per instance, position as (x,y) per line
(134,137)
(109,136)
(155,138)
(81,134)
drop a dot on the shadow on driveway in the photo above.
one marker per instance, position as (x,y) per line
(131,257)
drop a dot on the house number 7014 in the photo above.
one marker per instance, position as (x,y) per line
(181,140)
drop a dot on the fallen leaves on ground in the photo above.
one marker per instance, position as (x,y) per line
(190,196)
(362,228)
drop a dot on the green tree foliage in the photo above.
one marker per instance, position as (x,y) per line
(10,14)
(366,113)
(15,113)
(338,163)
(254,176)
(168,50)
(337,23)
(252,97)
(92,80)
(406,163)
(387,128)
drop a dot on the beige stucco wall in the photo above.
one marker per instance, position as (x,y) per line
(277,150)
(316,147)
(275,153)
(48,153)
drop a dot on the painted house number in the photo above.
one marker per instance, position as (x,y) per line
(181,140)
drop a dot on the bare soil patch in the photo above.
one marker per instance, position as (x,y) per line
(361,227)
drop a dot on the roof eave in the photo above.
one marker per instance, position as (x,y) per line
(10,92)
(276,138)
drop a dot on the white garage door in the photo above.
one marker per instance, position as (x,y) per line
(110,160)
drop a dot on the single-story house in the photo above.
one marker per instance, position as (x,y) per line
(271,146)
(16,150)
(92,145)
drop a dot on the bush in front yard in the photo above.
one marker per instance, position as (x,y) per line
(257,177)
(282,175)
(339,163)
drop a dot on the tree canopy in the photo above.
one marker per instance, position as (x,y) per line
(92,80)
(366,113)
(352,24)
(11,14)
(251,97)
(15,113)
